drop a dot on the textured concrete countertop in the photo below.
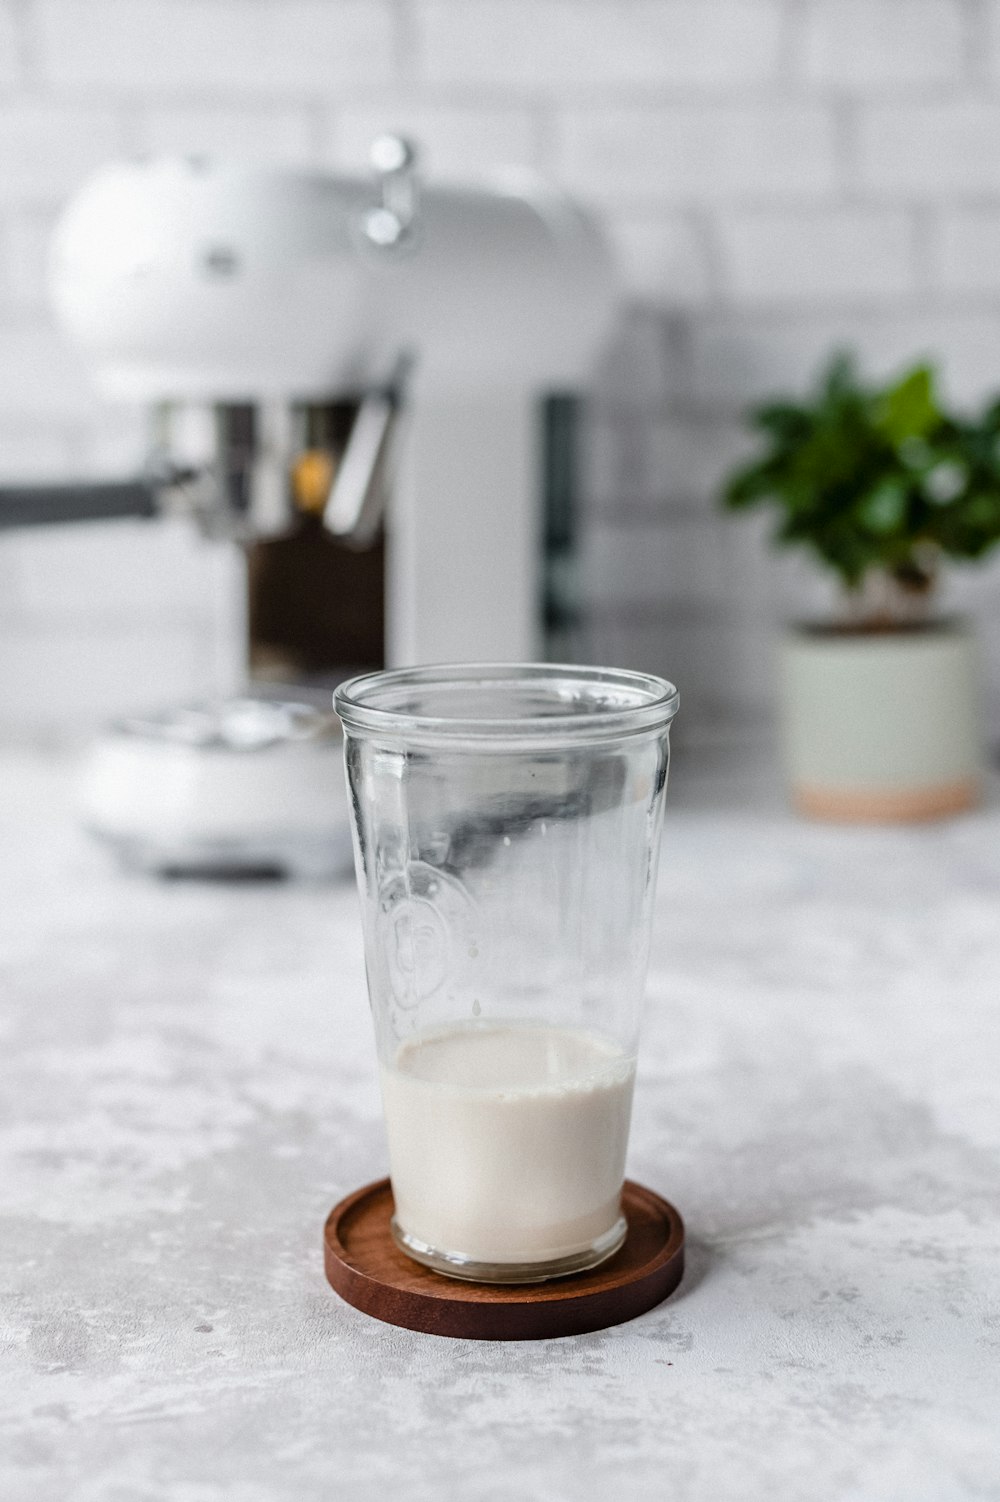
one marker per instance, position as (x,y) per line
(188,1085)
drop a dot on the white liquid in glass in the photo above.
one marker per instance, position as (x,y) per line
(507,1142)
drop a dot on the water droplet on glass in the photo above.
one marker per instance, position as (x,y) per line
(476,1009)
(506,839)
(473,952)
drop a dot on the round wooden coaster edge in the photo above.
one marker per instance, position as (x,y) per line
(588,1301)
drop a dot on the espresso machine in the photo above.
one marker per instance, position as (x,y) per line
(363,356)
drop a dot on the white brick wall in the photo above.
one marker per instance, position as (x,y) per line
(234,47)
(47,146)
(657,250)
(39,377)
(103,618)
(698,153)
(565,45)
(26,234)
(265,132)
(816,256)
(10,50)
(876,44)
(641,564)
(933,149)
(738,355)
(779,177)
(969,250)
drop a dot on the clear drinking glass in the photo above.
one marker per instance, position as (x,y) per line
(507,823)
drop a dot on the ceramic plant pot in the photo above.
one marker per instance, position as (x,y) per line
(881,726)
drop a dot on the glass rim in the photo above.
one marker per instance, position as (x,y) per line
(654,703)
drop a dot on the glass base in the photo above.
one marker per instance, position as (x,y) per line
(454,1265)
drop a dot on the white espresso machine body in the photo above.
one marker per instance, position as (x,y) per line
(188,281)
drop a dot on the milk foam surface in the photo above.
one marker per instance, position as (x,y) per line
(507,1142)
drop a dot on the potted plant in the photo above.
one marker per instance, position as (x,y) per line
(882,484)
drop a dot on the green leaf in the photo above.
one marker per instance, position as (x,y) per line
(840,377)
(884,509)
(916,454)
(785,422)
(944,482)
(909,409)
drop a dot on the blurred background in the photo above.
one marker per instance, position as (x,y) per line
(778,178)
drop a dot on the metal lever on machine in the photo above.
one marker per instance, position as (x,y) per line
(354,508)
(102,500)
(391,224)
(161,488)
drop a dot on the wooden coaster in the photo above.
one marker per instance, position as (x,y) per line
(369,1271)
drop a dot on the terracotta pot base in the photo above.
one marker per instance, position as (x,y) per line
(886,805)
